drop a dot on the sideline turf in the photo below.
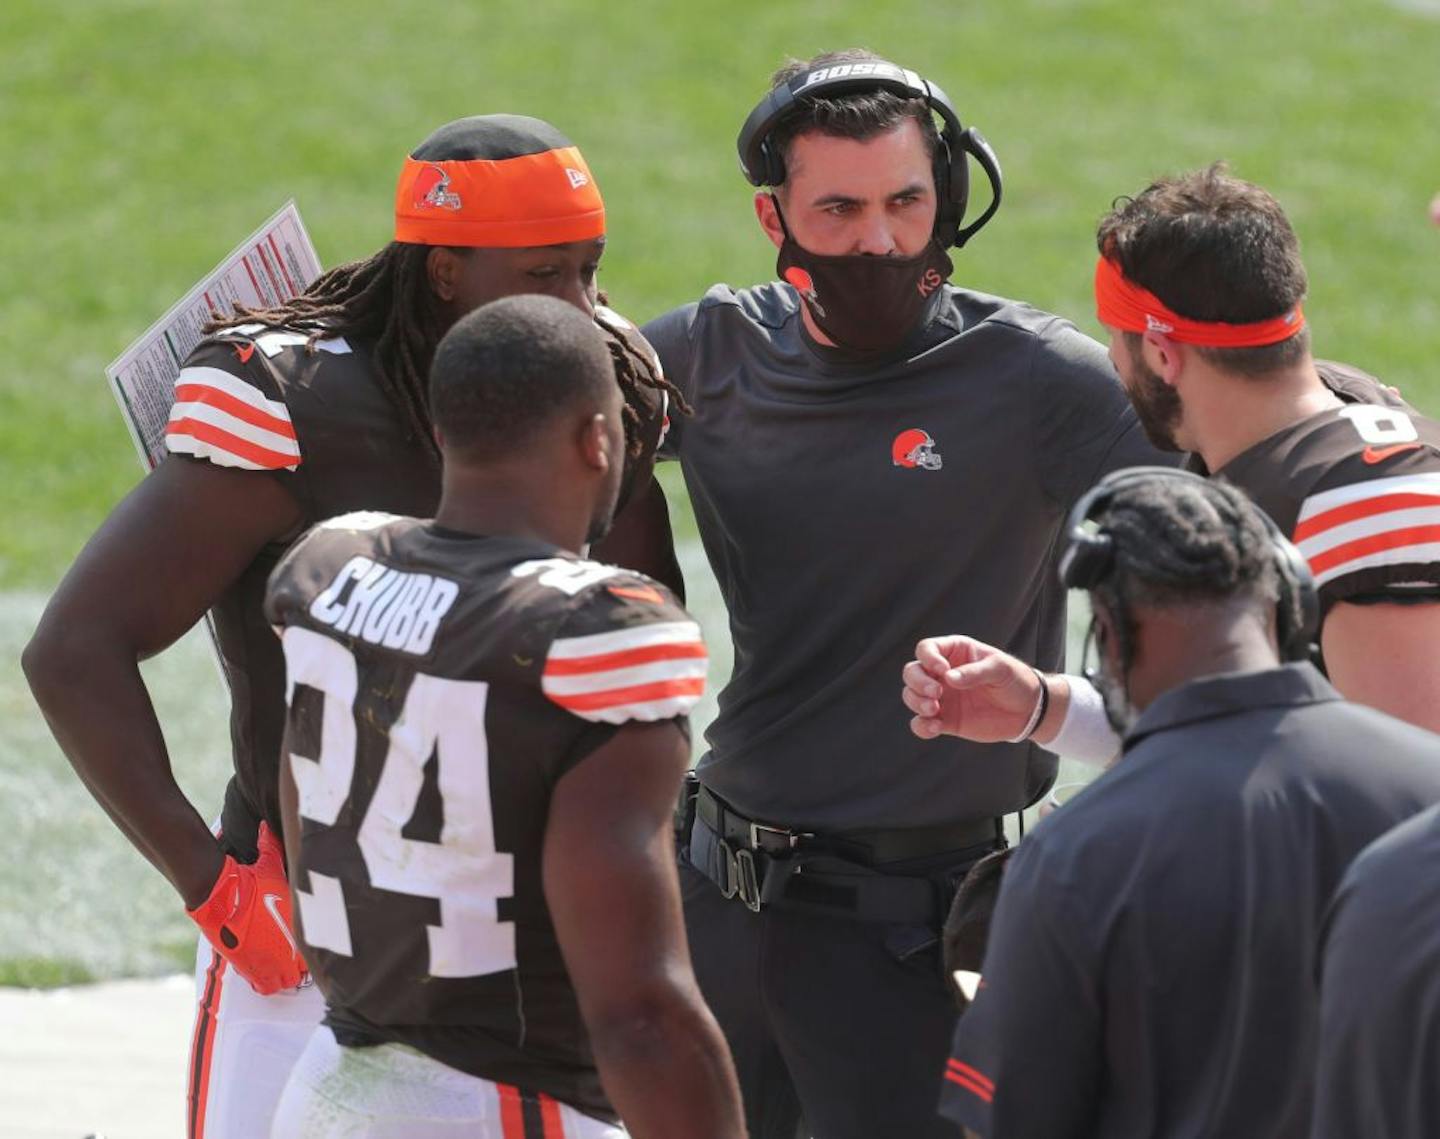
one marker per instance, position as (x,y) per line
(143,139)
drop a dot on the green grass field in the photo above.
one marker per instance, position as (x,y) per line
(143,139)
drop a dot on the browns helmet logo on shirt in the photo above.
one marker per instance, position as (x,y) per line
(913,448)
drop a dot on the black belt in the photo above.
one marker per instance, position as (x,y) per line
(874,846)
(764,864)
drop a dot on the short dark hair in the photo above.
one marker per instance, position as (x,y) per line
(1181,543)
(1213,247)
(507,369)
(859,116)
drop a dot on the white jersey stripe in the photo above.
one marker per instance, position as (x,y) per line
(189,445)
(623,677)
(1369,527)
(1427,483)
(216,417)
(646,711)
(1420,554)
(641,636)
(232,386)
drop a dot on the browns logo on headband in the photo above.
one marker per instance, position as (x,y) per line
(1121,303)
(497,181)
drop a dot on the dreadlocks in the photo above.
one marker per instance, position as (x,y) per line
(635,368)
(1179,544)
(385,300)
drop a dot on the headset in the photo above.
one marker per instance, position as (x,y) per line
(1089,557)
(763,165)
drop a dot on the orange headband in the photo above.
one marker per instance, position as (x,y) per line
(547,198)
(1121,303)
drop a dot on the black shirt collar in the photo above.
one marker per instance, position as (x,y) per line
(1230,693)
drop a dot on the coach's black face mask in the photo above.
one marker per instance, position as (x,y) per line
(865,304)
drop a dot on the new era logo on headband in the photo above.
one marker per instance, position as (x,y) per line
(577,178)
(1157,325)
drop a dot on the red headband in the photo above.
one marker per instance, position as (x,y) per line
(547,198)
(1121,303)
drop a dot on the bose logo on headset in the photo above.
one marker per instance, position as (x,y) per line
(842,70)
(764,165)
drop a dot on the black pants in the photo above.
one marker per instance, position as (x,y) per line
(842,1022)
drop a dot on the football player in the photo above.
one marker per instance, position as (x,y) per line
(1199,283)
(284,417)
(484,746)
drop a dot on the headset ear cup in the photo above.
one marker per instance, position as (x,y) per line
(775,163)
(959,163)
(1087,559)
(952,189)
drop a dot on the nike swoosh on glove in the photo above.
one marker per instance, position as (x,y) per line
(247,919)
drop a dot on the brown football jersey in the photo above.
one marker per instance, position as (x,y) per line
(440,685)
(316,417)
(1358,490)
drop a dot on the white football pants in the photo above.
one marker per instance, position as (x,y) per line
(242,1049)
(390,1091)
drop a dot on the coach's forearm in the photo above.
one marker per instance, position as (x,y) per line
(667,1068)
(95,701)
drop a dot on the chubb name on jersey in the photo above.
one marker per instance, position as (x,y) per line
(384,606)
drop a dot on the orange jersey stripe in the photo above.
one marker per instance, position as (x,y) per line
(626,658)
(512,1112)
(225,441)
(1351,511)
(550,1117)
(975,1074)
(1360,547)
(230,405)
(970,1085)
(636,694)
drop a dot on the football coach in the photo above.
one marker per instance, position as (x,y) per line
(850,419)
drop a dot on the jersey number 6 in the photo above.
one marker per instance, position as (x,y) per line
(1378,425)
(463,871)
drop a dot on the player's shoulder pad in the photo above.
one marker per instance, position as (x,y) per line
(229,404)
(1371,509)
(1356,386)
(625,651)
(345,545)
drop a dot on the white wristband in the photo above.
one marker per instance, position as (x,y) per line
(1085,735)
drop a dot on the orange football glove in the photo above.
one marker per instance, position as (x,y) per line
(247,919)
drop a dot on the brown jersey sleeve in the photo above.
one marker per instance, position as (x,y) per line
(627,651)
(229,409)
(1370,524)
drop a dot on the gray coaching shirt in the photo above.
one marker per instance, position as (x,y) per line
(1379,1065)
(840,537)
(1151,966)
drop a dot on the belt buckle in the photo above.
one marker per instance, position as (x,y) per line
(790,837)
(747,883)
(727,867)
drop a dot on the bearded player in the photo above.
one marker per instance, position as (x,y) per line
(284,417)
(484,745)
(1200,285)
